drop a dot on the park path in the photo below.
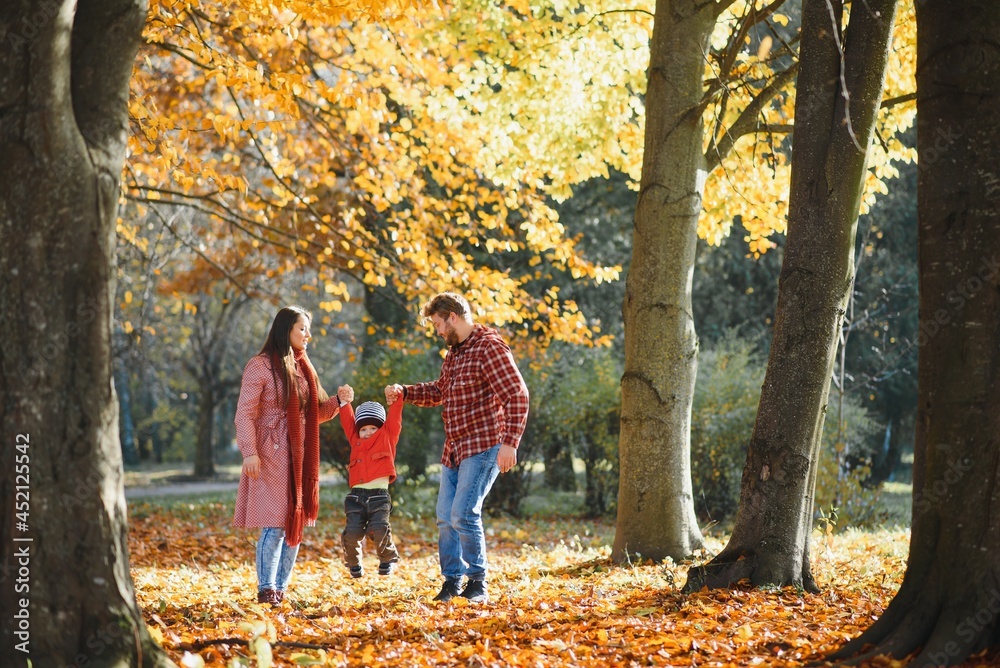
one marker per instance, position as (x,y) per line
(195,488)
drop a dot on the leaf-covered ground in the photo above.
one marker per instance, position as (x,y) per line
(555,599)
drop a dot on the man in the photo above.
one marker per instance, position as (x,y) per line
(485,409)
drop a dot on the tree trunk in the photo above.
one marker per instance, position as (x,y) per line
(558,459)
(126,425)
(64,73)
(949,602)
(598,489)
(770,540)
(225,427)
(889,458)
(656,516)
(204,460)
(213,324)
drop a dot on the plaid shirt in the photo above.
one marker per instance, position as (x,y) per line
(484,396)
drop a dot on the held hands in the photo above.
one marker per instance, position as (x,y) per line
(251,466)
(392,393)
(345,393)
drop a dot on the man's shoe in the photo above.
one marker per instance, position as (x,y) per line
(267,596)
(475,591)
(449,590)
(386,569)
(356,572)
(279,595)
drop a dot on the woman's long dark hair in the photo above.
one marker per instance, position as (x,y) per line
(278,349)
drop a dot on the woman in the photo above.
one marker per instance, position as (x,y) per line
(277,429)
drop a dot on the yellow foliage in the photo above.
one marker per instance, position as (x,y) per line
(750,184)
(332,134)
(421,147)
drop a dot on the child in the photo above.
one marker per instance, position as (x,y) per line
(372,467)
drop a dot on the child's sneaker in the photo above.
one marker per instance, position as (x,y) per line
(356,572)
(386,569)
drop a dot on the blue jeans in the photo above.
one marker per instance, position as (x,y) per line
(461,541)
(275,559)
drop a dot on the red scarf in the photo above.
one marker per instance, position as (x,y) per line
(303,492)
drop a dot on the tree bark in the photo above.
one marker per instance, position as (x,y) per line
(64,73)
(888,460)
(204,458)
(948,606)
(656,516)
(214,321)
(558,460)
(126,429)
(655,506)
(770,539)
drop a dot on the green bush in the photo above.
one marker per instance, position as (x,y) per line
(725,405)
(170,429)
(842,497)
(511,489)
(422,437)
(727,393)
(575,408)
(584,412)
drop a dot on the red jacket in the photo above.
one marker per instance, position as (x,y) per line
(375,456)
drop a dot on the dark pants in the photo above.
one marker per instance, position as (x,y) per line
(368,515)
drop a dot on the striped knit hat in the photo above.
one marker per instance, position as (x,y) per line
(369,413)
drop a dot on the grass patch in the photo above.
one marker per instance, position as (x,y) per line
(897,500)
(415,498)
(167,473)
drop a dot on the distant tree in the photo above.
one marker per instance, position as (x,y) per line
(948,607)
(732,289)
(877,363)
(211,364)
(600,216)
(130,449)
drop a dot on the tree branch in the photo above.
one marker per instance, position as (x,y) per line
(899,99)
(751,19)
(180,51)
(723,6)
(747,123)
(222,270)
(228,216)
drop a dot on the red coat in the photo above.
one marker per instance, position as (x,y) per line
(375,456)
(262,430)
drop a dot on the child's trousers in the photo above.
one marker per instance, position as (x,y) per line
(368,515)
